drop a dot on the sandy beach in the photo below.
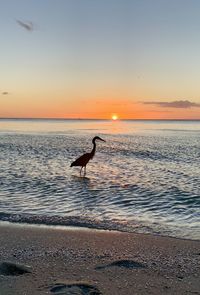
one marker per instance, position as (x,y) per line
(81,261)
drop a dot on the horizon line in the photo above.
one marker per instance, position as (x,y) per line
(93,119)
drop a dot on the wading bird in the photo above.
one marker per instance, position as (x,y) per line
(84,159)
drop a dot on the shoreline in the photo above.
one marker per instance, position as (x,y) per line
(108,262)
(85,228)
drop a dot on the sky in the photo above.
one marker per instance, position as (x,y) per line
(138,59)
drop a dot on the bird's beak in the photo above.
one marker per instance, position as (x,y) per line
(102,139)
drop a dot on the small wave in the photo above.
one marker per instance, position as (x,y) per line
(136,225)
(60,220)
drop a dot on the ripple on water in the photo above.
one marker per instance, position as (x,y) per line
(149,182)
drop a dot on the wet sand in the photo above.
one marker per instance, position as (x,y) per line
(80,261)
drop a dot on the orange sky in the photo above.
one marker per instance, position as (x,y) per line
(88,108)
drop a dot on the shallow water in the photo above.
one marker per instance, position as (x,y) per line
(144,178)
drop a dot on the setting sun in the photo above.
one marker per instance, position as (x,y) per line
(114,117)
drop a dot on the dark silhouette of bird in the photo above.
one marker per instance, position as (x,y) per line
(85,158)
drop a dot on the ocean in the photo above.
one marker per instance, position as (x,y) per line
(144,178)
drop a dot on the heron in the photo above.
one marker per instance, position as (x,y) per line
(85,158)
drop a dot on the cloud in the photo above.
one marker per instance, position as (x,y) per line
(29,26)
(182,104)
(5,93)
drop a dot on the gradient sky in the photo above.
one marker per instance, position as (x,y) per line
(92,58)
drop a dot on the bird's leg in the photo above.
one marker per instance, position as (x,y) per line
(81,170)
(84,170)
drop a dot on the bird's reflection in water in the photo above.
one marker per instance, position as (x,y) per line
(87,196)
(82,179)
(83,182)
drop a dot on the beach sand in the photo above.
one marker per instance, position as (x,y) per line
(81,261)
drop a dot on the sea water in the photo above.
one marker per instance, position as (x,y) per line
(144,178)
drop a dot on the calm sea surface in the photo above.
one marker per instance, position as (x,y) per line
(144,178)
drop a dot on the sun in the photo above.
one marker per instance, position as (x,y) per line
(114,117)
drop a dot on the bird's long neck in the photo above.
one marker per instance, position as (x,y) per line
(93,150)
